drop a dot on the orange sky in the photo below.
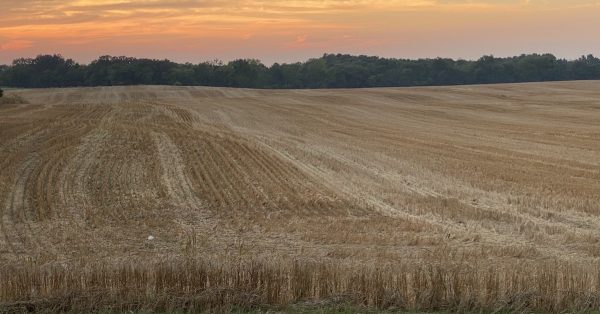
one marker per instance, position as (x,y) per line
(283,31)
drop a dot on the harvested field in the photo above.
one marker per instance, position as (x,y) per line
(437,198)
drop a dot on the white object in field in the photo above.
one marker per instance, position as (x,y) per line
(150,238)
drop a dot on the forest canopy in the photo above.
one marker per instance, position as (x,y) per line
(328,71)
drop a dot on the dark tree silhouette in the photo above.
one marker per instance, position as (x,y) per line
(328,71)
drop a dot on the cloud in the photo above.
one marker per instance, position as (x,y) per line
(67,12)
(261,27)
(15,45)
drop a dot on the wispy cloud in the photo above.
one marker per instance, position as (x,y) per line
(15,45)
(212,27)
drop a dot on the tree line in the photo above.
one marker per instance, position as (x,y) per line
(328,71)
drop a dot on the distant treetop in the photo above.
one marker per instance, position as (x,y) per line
(328,71)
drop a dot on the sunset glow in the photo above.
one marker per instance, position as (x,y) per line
(283,31)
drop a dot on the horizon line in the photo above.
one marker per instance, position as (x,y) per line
(225,61)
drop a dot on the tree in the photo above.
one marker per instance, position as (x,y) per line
(315,73)
(247,73)
(1,93)
(328,71)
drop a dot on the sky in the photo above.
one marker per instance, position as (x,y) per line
(294,30)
